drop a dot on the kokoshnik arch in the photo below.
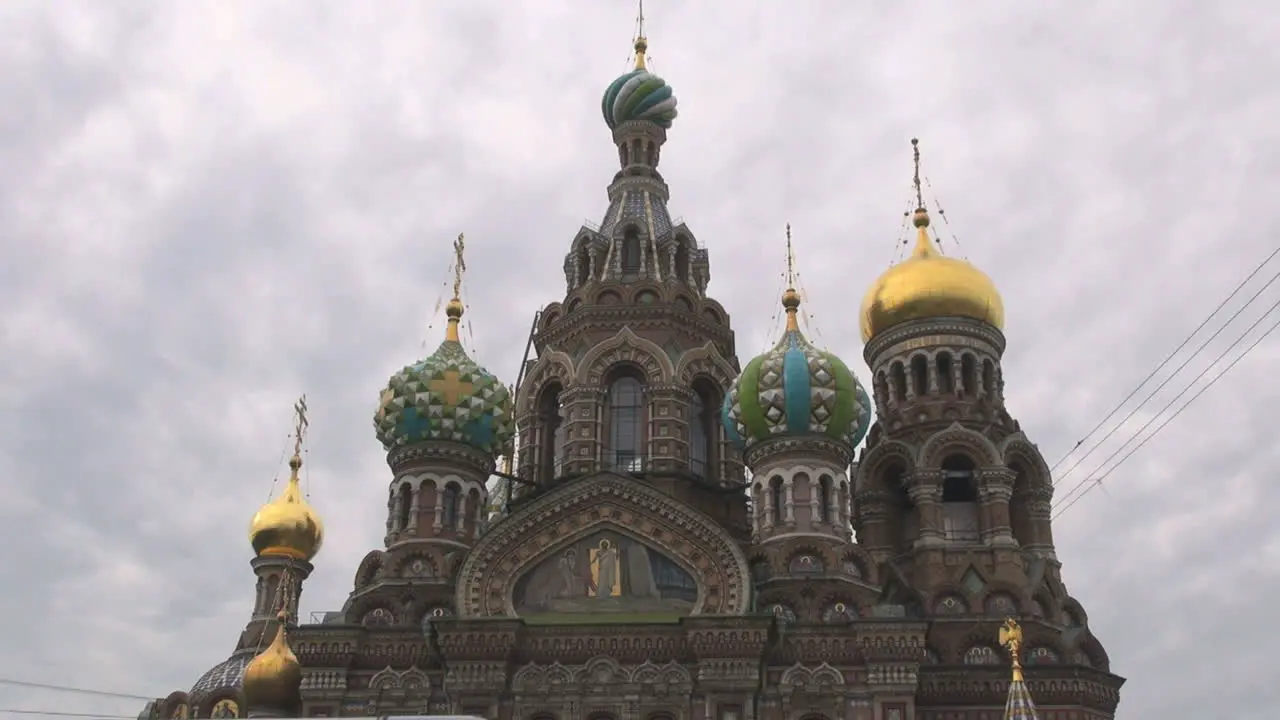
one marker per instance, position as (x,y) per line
(639,570)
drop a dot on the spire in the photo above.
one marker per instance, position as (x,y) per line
(924,246)
(1019,706)
(454,309)
(642,43)
(791,298)
(288,525)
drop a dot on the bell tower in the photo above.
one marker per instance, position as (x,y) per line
(633,363)
(951,496)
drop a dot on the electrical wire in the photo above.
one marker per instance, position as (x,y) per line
(69,689)
(1248,303)
(1166,361)
(55,714)
(1064,505)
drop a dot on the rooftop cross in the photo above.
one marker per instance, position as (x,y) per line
(299,425)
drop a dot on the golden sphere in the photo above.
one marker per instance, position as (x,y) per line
(929,285)
(288,525)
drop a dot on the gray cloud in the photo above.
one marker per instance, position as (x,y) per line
(204,213)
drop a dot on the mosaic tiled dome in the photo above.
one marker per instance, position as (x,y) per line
(796,389)
(446,396)
(639,95)
(225,675)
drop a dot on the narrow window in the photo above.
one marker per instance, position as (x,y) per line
(626,424)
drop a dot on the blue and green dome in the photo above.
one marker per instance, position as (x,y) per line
(639,95)
(795,389)
(446,396)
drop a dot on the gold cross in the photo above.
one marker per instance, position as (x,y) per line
(300,423)
(451,387)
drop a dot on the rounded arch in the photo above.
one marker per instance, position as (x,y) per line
(957,438)
(552,365)
(549,318)
(575,510)
(874,463)
(625,347)
(370,569)
(574,304)
(1089,646)
(707,361)
(713,311)
(608,296)
(1017,448)
(684,302)
(1073,614)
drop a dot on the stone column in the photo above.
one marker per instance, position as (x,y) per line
(925,490)
(815,501)
(581,408)
(995,487)
(397,510)
(789,490)
(767,523)
(414,506)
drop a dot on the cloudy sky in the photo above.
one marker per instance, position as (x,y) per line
(208,208)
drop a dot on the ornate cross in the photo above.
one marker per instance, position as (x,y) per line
(451,387)
(459,266)
(300,423)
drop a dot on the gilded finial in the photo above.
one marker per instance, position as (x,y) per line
(1011,639)
(300,424)
(642,43)
(454,309)
(921,218)
(791,298)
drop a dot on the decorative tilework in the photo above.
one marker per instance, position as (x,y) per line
(226,674)
(447,396)
(796,389)
(638,95)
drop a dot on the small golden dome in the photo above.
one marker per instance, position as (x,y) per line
(287,525)
(273,679)
(929,285)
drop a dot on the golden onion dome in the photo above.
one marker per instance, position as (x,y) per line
(273,679)
(929,285)
(287,525)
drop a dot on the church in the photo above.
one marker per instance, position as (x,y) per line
(681,535)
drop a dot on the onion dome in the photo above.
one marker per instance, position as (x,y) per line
(446,396)
(273,679)
(288,525)
(639,95)
(795,389)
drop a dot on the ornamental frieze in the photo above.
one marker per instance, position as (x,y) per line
(602,675)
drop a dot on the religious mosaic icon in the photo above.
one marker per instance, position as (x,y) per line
(606,573)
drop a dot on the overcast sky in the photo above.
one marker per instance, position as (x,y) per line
(210,207)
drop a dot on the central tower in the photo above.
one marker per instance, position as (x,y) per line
(633,364)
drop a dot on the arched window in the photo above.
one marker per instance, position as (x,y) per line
(704,429)
(682,260)
(449,507)
(775,498)
(968,375)
(626,424)
(959,500)
(899,374)
(631,252)
(920,374)
(904,524)
(552,434)
(946,374)
(404,504)
(824,501)
(584,266)
(989,379)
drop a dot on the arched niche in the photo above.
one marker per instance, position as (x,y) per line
(577,516)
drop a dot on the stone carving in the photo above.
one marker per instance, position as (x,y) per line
(799,676)
(599,674)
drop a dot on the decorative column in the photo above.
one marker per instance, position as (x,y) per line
(768,505)
(925,490)
(815,494)
(581,416)
(789,488)
(995,488)
(414,505)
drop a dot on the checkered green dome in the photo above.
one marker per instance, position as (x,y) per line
(447,396)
